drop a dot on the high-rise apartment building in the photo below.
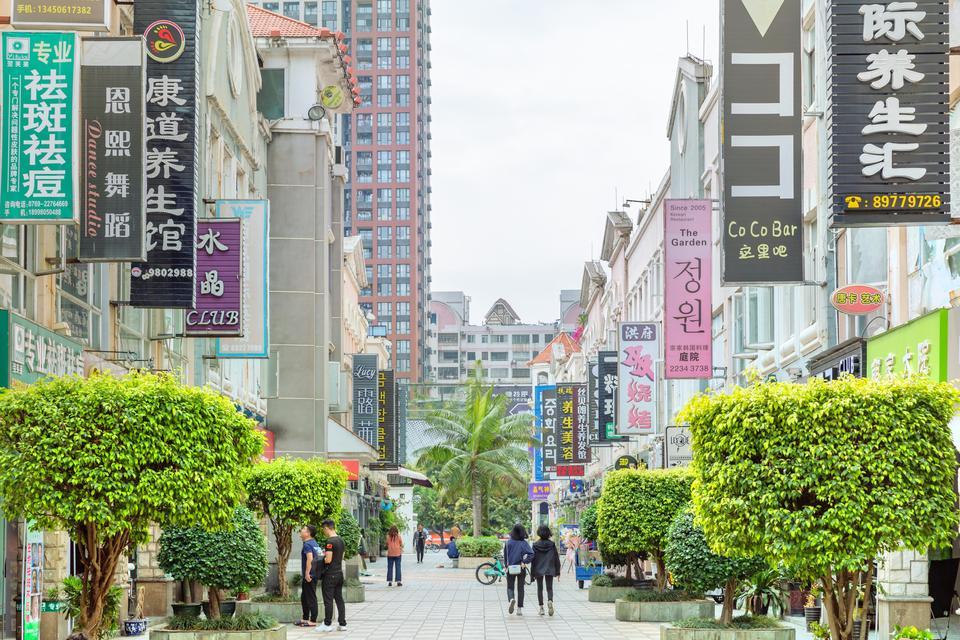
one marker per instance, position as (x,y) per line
(386,145)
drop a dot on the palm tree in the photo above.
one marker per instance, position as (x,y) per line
(478,446)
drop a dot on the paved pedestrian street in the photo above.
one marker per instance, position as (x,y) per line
(450,604)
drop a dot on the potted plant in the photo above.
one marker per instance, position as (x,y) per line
(811,610)
(763,594)
(220,560)
(911,633)
(136,624)
(241,594)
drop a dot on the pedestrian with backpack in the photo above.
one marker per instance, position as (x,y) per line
(517,554)
(545,566)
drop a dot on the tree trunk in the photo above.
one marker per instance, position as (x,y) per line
(99,566)
(196,591)
(477,507)
(661,571)
(284,537)
(214,602)
(630,562)
(729,600)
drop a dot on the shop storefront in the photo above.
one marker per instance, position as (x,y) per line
(846,358)
(28,353)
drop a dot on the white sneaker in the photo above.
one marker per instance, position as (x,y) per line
(550,606)
(513,605)
(541,609)
(325,628)
(341,627)
(519,612)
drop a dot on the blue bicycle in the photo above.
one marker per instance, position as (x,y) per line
(494,571)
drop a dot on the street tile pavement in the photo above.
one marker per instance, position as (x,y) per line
(449,604)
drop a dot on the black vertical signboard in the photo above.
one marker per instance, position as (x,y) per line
(607,383)
(593,415)
(386,422)
(888,112)
(111,101)
(550,431)
(365,398)
(166,279)
(761,146)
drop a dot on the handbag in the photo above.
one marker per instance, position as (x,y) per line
(515,569)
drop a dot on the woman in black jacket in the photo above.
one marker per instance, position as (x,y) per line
(546,565)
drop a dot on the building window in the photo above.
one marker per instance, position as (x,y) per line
(403,100)
(403,326)
(471,338)
(403,175)
(384,288)
(291,10)
(403,137)
(384,99)
(403,252)
(403,363)
(384,251)
(310,13)
(403,346)
(499,356)
(17,257)
(384,16)
(403,213)
(364,17)
(272,6)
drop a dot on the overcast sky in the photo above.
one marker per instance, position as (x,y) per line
(542,111)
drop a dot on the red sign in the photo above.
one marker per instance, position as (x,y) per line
(268,446)
(352,467)
(857,299)
(570,470)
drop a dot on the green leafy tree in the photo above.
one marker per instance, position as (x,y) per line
(636,509)
(508,511)
(478,445)
(349,531)
(824,477)
(293,493)
(696,569)
(233,558)
(588,523)
(102,458)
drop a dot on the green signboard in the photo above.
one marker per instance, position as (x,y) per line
(32,353)
(921,346)
(38,127)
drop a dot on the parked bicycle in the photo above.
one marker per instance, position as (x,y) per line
(432,547)
(494,571)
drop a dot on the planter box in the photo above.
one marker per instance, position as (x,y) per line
(352,594)
(277,633)
(668,632)
(664,611)
(471,562)
(608,594)
(290,612)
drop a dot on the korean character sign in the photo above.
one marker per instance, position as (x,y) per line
(639,356)
(386,422)
(687,257)
(550,428)
(38,155)
(888,112)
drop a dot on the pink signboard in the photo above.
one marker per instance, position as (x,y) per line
(687,249)
(639,353)
(219,308)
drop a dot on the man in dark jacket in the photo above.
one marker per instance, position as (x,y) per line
(546,565)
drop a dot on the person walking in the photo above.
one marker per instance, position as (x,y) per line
(545,566)
(309,569)
(331,581)
(419,542)
(517,554)
(394,556)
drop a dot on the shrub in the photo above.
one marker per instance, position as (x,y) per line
(482,546)
(588,523)
(274,597)
(693,566)
(601,581)
(242,622)
(72,592)
(105,457)
(823,477)
(740,622)
(623,581)
(229,559)
(292,493)
(670,595)
(636,509)
(349,530)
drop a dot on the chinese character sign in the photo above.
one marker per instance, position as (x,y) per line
(40,76)
(761,146)
(255,342)
(366,409)
(517,398)
(386,422)
(687,257)
(550,428)
(888,112)
(637,389)
(574,444)
(219,310)
(112,88)
(34,353)
(166,278)
(593,397)
(608,382)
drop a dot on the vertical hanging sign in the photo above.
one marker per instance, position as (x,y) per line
(761,150)
(593,394)
(538,393)
(386,422)
(567,428)
(888,112)
(581,434)
(639,352)
(219,310)
(166,278)
(38,151)
(687,253)
(550,429)
(365,398)
(112,90)
(608,383)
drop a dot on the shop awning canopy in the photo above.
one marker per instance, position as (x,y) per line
(415,476)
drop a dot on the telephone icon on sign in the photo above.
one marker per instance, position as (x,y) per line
(853,202)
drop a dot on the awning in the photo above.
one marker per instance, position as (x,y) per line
(415,476)
(344,444)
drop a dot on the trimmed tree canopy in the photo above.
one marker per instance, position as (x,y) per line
(825,475)
(297,492)
(104,457)
(234,558)
(637,506)
(588,522)
(693,566)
